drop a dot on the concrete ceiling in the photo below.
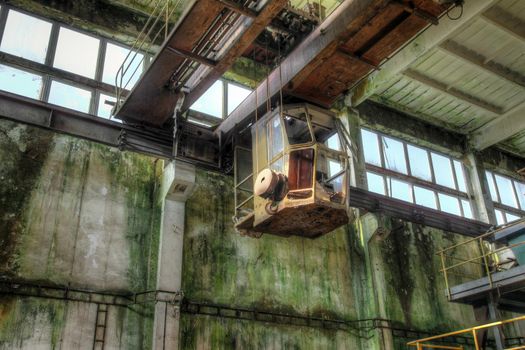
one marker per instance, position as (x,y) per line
(467,76)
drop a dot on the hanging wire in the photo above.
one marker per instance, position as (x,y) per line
(256,118)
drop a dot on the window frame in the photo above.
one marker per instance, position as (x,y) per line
(498,205)
(388,174)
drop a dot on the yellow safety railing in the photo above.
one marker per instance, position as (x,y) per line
(485,263)
(157,24)
(423,343)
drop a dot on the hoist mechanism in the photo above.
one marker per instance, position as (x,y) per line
(296,180)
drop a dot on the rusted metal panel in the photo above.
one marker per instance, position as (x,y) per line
(151,89)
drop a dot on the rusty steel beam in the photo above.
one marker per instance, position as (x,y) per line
(323,39)
(363,199)
(263,19)
(191,56)
(245,11)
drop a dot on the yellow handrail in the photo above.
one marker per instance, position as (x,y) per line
(420,342)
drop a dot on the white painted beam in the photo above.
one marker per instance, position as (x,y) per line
(443,88)
(427,40)
(478,61)
(499,129)
(506,22)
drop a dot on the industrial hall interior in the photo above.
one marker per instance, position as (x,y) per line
(262,174)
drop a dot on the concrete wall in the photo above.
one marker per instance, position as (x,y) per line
(80,215)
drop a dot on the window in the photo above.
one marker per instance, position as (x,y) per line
(105,105)
(333,142)
(114,58)
(26,36)
(220,100)
(371,147)
(414,174)
(70,96)
(20,82)
(77,53)
(236,94)
(508,196)
(211,102)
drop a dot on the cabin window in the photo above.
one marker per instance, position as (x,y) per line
(297,130)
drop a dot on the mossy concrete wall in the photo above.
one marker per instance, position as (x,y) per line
(346,275)
(74,213)
(79,215)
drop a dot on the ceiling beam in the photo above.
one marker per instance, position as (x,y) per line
(427,40)
(499,129)
(479,61)
(506,22)
(322,38)
(441,87)
(263,19)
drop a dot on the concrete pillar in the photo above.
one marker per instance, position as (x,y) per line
(483,207)
(178,180)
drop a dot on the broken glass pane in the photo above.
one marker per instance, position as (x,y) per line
(443,170)
(425,197)
(400,190)
(376,183)
(297,130)
(26,36)
(76,53)
(210,102)
(236,94)
(70,96)
(394,155)
(505,190)
(20,82)
(371,147)
(419,163)
(492,186)
(449,204)
(114,58)
(105,106)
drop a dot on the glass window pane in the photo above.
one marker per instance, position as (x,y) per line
(425,197)
(394,155)
(20,82)
(449,204)
(69,96)
(275,137)
(467,210)
(115,56)
(297,130)
(104,108)
(77,53)
(375,183)
(492,186)
(520,190)
(371,147)
(505,190)
(211,101)
(400,190)
(443,170)
(500,219)
(511,217)
(26,36)
(236,94)
(419,163)
(333,142)
(460,175)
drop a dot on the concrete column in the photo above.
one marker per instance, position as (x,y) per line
(178,180)
(483,207)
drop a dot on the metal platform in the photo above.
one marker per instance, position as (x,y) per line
(509,285)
